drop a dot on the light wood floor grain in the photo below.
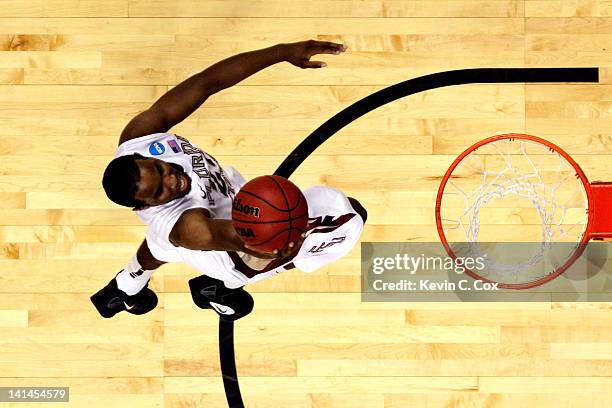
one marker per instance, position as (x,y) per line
(72,73)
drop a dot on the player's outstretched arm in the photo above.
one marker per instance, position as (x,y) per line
(195,230)
(180,102)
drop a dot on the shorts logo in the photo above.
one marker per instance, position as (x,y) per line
(156,149)
(174,146)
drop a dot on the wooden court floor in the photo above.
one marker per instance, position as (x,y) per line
(72,74)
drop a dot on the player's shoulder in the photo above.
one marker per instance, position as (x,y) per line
(316,192)
(144,139)
(326,200)
(152,145)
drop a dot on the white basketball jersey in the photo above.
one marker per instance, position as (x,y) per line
(333,228)
(211,187)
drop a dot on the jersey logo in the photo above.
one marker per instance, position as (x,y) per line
(317,249)
(207,168)
(156,148)
(174,146)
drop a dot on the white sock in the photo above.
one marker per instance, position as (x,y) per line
(133,278)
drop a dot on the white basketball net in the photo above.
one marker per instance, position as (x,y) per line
(515,190)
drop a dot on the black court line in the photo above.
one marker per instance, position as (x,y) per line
(425,83)
(228,364)
(360,108)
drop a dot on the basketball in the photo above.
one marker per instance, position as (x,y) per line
(269,212)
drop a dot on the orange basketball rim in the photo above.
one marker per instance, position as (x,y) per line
(517,158)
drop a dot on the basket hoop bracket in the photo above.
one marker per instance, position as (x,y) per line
(601,192)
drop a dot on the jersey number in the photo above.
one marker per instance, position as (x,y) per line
(316,249)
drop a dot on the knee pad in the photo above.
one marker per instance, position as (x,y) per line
(210,293)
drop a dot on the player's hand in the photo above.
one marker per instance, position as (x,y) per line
(259,254)
(292,249)
(299,53)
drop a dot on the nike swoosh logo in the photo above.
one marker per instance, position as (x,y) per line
(221,309)
(128,307)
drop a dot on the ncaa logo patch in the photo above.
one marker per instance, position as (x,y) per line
(156,149)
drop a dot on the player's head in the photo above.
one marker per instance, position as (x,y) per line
(137,181)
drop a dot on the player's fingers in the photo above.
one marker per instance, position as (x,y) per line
(313,64)
(327,44)
(323,50)
(291,244)
(260,254)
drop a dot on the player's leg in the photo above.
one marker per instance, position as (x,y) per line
(128,290)
(229,303)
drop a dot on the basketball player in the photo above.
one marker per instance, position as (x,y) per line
(185,197)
